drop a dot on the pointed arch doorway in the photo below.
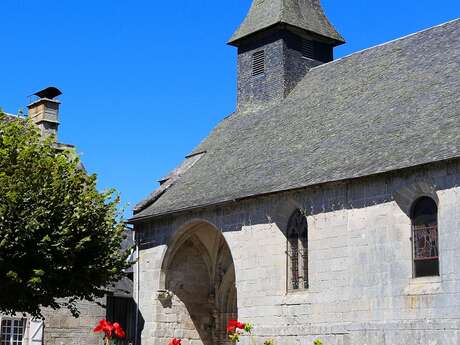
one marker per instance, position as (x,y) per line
(198,269)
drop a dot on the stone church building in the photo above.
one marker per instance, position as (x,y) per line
(327,206)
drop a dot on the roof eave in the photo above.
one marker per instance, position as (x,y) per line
(136,220)
(238,38)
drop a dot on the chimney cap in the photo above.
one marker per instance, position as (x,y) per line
(50,92)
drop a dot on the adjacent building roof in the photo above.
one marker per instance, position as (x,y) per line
(307,15)
(390,107)
(8,117)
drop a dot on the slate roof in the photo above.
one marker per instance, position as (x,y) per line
(8,117)
(307,15)
(386,108)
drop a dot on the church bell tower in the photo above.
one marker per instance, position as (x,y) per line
(278,42)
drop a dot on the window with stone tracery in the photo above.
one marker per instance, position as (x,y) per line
(297,251)
(425,240)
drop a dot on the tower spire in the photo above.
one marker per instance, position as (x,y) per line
(278,42)
(300,16)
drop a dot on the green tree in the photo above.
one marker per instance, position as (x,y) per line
(59,237)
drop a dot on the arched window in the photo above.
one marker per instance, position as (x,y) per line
(425,237)
(297,251)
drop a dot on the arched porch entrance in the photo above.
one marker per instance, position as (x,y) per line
(198,269)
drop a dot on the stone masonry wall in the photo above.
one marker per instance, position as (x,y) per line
(360,263)
(61,328)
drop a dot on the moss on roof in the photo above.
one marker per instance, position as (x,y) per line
(386,108)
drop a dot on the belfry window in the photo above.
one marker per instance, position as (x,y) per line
(258,63)
(297,251)
(308,49)
(425,241)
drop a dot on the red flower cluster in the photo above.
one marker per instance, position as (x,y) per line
(110,329)
(175,341)
(233,325)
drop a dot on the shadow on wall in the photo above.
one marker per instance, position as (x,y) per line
(199,277)
(403,187)
(140,327)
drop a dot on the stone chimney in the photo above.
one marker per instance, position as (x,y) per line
(44,111)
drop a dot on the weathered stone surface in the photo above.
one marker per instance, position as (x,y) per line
(61,328)
(360,264)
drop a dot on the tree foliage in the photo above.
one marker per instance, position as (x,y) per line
(59,237)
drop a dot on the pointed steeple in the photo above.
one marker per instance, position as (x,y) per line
(297,15)
(278,42)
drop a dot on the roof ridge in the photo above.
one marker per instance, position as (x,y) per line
(281,14)
(386,43)
(325,18)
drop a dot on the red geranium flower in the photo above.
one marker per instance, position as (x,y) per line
(109,329)
(235,324)
(119,332)
(175,341)
(104,326)
(100,326)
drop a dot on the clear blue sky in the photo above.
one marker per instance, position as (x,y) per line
(144,81)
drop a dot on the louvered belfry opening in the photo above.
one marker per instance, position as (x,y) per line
(308,49)
(258,63)
(313,50)
(425,239)
(297,242)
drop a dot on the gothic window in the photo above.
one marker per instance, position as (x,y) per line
(258,63)
(425,237)
(297,251)
(12,331)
